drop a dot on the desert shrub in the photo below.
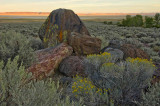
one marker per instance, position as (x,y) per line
(149,51)
(152,98)
(17,89)
(90,93)
(35,43)
(11,78)
(28,29)
(125,79)
(99,59)
(156,59)
(133,41)
(156,48)
(13,44)
(104,41)
(141,34)
(42,93)
(147,39)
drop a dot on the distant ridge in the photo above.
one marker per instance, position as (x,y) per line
(80,14)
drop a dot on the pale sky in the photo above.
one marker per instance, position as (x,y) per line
(81,6)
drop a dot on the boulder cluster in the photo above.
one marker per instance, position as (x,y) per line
(67,55)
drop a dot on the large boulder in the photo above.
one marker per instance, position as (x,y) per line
(130,50)
(72,66)
(84,44)
(49,60)
(59,25)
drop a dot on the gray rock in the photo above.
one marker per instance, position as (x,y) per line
(115,53)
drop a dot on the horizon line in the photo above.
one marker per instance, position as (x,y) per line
(79,14)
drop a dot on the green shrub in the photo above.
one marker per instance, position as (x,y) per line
(99,59)
(83,87)
(156,59)
(152,98)
(147,40)
(127,80)
(35,43)
(104,41)
(13,44)
(11,78)
(156,48)
(16,88)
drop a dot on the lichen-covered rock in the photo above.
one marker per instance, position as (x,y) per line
(83,44)
(130,50)
(72,66)
(49,60)
(59,25)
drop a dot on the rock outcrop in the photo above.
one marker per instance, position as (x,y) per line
(59,25)
(72,66)
(49,60)
(84,45)
(130,50)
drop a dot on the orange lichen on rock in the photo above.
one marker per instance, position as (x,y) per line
(61,36)
(48,25)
